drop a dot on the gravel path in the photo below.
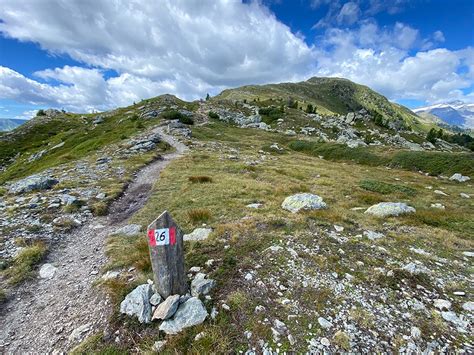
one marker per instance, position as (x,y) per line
(53,315)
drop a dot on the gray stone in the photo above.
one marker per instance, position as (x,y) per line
(460,178)
(32,183)
(303,201)
(324,323)
(155,300)
(198,234)
(68,199)
(128,230)
(452,317)
(468,306)
(167,308)
(371,235)
(414,268)
(438,206)
(137,303)
(47,271)
(190,313)
(79,332)
(159,345)
(386,209)
(442,304)
(254,205)
(201,286)
(464,195)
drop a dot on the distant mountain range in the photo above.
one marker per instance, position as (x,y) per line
(7,124)
(453,113)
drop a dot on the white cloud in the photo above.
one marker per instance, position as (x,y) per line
(190,48)
(27,115)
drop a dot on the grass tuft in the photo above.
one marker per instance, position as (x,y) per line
(200,179)
(24,262)
(385,188)
(199,215)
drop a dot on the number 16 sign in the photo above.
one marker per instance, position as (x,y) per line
(165,241)
(164,236)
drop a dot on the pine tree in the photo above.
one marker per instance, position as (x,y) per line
(431,136)
(208,96)
(309,109)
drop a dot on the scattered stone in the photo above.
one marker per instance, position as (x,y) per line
(77,333)
(303,201)
(439,192)
(414,268)
(325,342)
(442,304)
(386,209)
(155,300)
(137,303)
(438,206)
(254,205)
(452,317)
(468,253)
(159,345)
(198,234)
(128,230)
(109,275)
(324,323)
(190,313)
(338,229)
(464,195)
(371,235)
(460,178)
(468,306)
(167,308)
(201,286)
(32,183)
(47,271)
(415,332)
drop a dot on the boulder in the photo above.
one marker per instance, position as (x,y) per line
(460,178)
(47,271)
(387,209)
(137,303)
(128,230)
(414,268)
(190,313)
(201,286)
(32,183)
(167,308)
(371,235)
(303,201)
(198,234)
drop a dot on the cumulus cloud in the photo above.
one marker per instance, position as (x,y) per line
(189,48)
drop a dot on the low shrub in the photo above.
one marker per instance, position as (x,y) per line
(186,119)
(213,115)
(199,215)
(200,179)
(385,188)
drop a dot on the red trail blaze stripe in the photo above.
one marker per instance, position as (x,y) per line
(151,237)
(172,235)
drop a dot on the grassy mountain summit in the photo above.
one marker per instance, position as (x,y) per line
(329,96)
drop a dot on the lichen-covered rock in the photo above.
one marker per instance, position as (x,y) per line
(190,313)
(32,183)
(137,303)
(303,201)
(198,234)
(387,209)
(167,308)
(460,178)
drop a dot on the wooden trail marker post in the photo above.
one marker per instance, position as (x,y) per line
(165,241)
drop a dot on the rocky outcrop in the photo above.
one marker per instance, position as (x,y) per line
(387,209)
(32,183)
(303,201)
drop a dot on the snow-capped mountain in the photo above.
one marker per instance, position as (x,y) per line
(455,113)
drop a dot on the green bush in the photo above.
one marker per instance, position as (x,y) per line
(186,119)
(41,113)
(385,188)
(212,114)
(270,114)
(172,115)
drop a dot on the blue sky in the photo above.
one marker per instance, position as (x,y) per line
(96,55)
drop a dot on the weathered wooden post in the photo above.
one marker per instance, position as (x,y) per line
(165,241)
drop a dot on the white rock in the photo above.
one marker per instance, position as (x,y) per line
(460,178)
(111,274)
(414,268)
(325,342)
(47,271)
(201,286)
(439,192)
(415,332)
(254,205)
(386,209)
(198,234)
(155,300)
(338,228)
(453,318)
(248,276)
(468,253)
(159,345)
(371,235)
(464,195)
(438,206)
(468,306)
(77,333)
(324,323)
(190,313)
(442,304)
(303,201)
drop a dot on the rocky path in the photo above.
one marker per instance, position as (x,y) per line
(54,314)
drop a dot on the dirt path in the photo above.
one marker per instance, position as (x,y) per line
(53,315)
